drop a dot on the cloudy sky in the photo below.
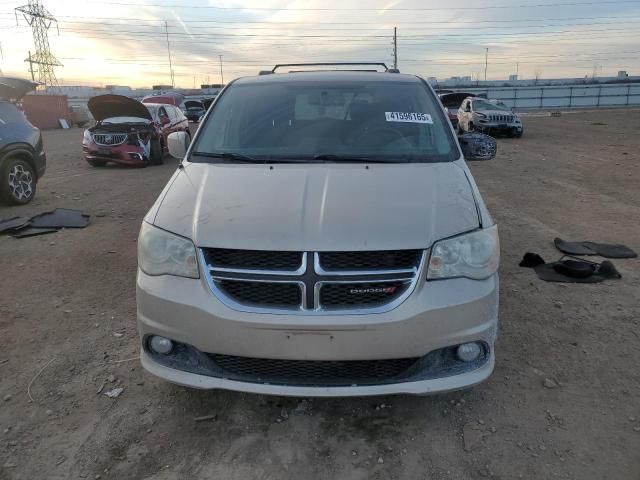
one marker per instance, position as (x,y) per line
(124,41)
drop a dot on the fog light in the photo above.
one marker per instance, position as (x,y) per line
(160,345)
(468,352)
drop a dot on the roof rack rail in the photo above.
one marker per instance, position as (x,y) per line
(331,64)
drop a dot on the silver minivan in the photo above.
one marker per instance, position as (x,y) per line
(322,236)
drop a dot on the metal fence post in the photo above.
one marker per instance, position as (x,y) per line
(570,97)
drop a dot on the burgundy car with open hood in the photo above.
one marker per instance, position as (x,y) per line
(125,133)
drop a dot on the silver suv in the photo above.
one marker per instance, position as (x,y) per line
(488,116)
(323,236)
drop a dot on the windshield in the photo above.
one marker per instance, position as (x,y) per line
(479,105)
(330,121)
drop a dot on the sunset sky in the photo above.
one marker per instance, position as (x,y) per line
(123,42)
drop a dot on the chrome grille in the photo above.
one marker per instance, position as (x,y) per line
(312,282)
(501,118)
(109,139)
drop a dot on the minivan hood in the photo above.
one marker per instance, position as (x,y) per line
(326,207)
(110,106)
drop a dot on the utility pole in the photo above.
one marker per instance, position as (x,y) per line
(221,75)
(486,62)
(40,20)
(166,29)
(517,69)
(395,47)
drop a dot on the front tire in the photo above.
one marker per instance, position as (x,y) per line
(156,152)
(18,182)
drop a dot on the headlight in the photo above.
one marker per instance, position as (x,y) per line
(87,137)
(474,255)
(163,253)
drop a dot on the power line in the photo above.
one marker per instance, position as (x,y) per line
(392,9)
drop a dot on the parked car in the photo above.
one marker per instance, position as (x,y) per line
(169,119)
(193,110)
(323,236)
(22,157)
(169,98)
(451,102)
(488,116)
(129,132)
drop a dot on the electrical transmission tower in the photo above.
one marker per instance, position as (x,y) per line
(40,21)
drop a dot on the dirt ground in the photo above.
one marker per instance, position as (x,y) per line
(67,304)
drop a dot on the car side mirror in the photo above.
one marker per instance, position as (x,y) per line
(178,143)
(478,146)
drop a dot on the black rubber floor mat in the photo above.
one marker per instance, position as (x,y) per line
(570,269)
(549,272)
(32,232)
(61,218)
(592,248)
(13,223)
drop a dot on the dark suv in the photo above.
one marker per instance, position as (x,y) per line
(22,157)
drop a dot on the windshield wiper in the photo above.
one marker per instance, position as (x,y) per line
(350,158)
(238,157)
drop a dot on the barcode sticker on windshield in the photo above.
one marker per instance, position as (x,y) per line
(408,117)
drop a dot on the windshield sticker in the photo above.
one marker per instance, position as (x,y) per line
(408,117)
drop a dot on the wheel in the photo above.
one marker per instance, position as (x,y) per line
(96,163)
(18,182)
(156,152)
(519,135)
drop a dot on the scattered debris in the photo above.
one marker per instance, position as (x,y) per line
(206,418)
(7,397)
(34,378)
(111,378)
(115,393)
(549,383)
(118,335)
(380,460)
(43,223)
(100,388)
(61,218)
(13,223)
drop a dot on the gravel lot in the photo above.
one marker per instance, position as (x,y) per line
(67,302)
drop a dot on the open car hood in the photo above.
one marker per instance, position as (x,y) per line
(454,99)
(193,104)
(12,88)
(109,106)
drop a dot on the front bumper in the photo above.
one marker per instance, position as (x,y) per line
(500,127)
(437,315)
(123,154)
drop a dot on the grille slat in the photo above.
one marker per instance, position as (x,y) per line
(300,372)
(371,260)
(349,295)
(263,293)
(253,259)
(312,282)
(109,139)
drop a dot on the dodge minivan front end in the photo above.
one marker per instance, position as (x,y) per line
(320,240)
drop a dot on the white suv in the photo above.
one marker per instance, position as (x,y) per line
(323,236)
(488,116)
